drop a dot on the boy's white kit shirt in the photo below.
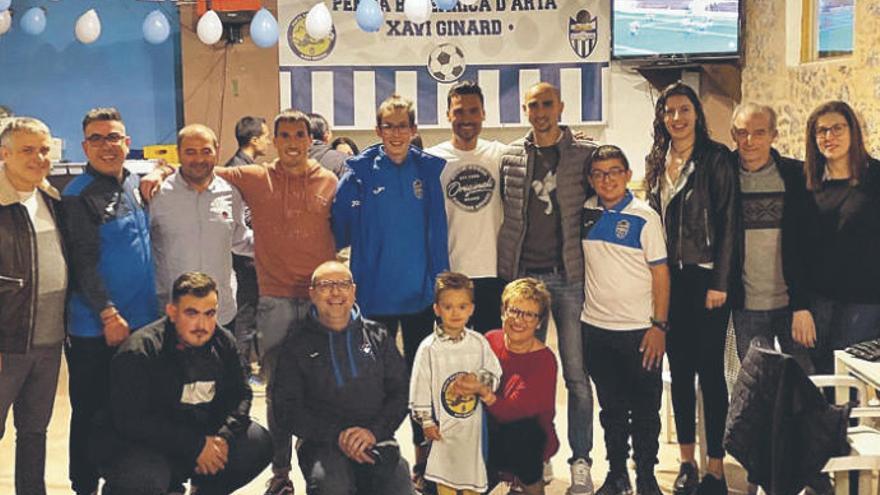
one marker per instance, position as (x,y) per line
(457,460)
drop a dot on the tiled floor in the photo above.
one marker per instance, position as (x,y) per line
(56,469)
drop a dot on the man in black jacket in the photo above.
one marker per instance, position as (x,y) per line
(180,403)
(773,191)
(33,285)
(342,390)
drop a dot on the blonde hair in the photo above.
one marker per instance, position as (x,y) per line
(396,102)
(22,124)
(527,288)
(453,281)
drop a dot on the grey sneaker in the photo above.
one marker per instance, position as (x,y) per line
(581,481)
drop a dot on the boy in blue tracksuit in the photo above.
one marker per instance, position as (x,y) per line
(389,208)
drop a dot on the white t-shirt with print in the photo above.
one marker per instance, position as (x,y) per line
(471,187)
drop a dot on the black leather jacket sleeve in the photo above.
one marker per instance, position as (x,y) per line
(724,197)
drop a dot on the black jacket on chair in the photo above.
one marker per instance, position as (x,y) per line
(779,426)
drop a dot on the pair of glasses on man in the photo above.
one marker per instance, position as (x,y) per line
(98,139)
(521,314)
(614,173)
(327,286)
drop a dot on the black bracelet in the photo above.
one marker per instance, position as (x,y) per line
(662,325)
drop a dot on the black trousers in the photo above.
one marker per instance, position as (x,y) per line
(695,347)
(328,471)
(88,362)
(247,298)
(516,448)
(487,304)
(414,328)
(629,396)
(138,470)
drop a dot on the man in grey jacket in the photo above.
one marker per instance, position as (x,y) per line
(544,186)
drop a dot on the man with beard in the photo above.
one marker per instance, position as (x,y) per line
(470,183)
(180,404)
(196,218)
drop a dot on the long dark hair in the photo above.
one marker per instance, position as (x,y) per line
(814,163)
(655,162)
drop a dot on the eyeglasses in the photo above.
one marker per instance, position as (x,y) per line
(521,314)
(743,134)
(389,129)
(836,130)
(98,139)
(327,286)
(614,173)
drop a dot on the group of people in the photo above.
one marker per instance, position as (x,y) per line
(447,244)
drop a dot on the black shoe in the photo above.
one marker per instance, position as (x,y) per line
(712,486)
(616,484)
(646,484)
(687,480)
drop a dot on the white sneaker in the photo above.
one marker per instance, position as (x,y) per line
(548,473)
(581,481)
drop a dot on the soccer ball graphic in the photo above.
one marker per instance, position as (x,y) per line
(446,63)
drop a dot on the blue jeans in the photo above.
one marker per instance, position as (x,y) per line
(838,326)
(276,317)
(769,324)
(567,302)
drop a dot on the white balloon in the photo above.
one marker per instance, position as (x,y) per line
(417,11)
(209,28)
(5,21)
(88,27)
(319,24)
(468,2)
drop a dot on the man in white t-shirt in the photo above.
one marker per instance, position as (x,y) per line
(33,274)
(624,318)
(471,185)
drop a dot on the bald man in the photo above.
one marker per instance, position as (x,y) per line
(544,185)
(196,218)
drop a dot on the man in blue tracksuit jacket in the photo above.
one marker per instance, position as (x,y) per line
(389,207)
(111,267)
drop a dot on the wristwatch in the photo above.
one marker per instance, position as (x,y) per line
(662,325)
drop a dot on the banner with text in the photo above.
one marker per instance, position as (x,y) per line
(504,45)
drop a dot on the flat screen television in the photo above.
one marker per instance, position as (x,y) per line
(676,30)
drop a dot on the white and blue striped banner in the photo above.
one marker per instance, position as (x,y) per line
(347,76)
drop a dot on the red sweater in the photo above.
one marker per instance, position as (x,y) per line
(528,388)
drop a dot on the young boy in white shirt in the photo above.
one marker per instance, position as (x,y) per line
(453,422)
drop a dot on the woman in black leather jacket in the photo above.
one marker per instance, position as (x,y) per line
(692,183)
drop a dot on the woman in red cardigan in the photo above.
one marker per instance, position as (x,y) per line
(521,432)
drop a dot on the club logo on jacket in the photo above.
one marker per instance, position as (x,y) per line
(418,189)
(457,406)
(471,188)
(622,229)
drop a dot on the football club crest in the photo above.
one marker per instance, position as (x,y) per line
(621,229)
(583,32)
(418,189)
(303,45)
(457,406)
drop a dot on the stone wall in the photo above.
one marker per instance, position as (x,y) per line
(795,90)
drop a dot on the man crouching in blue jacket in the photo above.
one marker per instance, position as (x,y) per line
(342,390)
(180,404)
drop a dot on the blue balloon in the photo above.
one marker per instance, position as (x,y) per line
(369,16)
(264,29)
(156,28)
(4,4)
(34,21)
(446,4)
